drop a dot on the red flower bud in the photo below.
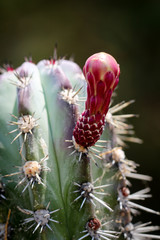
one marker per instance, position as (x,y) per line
(102,75)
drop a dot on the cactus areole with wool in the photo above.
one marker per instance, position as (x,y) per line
(101,72)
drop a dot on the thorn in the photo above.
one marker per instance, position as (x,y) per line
(121,106)
(77,91)
(48,205)
(103,141)
(12,174)
(41,229)
(31,226)
(72,153)
(76,184)
(77,198)
(16,137)
(110,151)
(52,220)
(28,212)
(95,150)
(37,227)
(102,186)
(55,210)
(6,225)
(102,202)
(80,155)
(90,154)
(25,187)
(93,202)
(84,236)
(99,146)
(82,203)
(49,227)
(13,131)
(135,205)
(132,139)
(44,159)
(71,146)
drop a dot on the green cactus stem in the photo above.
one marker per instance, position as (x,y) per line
(64,173)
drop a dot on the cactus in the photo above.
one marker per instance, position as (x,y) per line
(64,173)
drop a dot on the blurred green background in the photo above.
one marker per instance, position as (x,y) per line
(129,30)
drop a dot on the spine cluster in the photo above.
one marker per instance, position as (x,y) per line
(119,131)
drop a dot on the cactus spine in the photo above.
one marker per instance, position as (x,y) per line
(64,173)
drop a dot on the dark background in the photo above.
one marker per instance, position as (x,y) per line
(128,30)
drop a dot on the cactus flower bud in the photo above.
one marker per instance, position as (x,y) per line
(102,75)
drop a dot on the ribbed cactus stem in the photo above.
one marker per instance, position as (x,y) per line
(64,172)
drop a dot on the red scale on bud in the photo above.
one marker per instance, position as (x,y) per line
(84,137)
(102,75)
